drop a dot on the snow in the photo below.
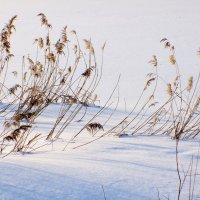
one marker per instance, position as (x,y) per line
(125,168)
(131,167)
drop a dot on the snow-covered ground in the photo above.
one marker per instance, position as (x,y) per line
(129,168)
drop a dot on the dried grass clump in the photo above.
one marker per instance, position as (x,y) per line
(54,74)
(178,116)
(68,74)
(93,127)
(6,34)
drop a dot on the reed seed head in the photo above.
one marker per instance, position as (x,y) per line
(190,84)
(169,89)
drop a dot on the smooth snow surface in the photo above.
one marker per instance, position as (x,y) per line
(128,168)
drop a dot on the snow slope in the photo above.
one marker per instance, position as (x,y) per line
(131,168)
(128,168)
